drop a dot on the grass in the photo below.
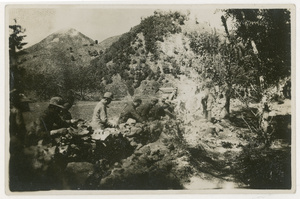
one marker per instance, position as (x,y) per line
(80,110)
(84,109)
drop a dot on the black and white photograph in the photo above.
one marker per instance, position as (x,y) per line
(106,97)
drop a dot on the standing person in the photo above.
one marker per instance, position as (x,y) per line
(207,100)
(99,119)
(204,97)
(17,130)
(209,104)
(130,112)
(18,105)
(144,110)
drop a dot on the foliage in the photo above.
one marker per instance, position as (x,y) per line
(15,43)
(247,53)
(118,56)
(264,169)
(221,62)
(15,39)
(268,33)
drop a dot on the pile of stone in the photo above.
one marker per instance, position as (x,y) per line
(80,157)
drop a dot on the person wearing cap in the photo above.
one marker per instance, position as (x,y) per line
(131,112)
(50,120)
(144,110)
(99,119)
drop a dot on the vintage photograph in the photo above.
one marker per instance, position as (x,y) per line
(149,97)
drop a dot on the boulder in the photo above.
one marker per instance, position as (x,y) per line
(77,174)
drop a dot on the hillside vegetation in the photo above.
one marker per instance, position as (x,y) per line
(159,45)
(166,43)
(246,144)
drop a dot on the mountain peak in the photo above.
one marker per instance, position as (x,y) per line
(68,31)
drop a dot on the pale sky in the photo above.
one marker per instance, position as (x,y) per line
(97,22)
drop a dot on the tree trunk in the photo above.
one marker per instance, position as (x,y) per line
(227,105)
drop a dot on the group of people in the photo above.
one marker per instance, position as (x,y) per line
(57,116)
(135,110)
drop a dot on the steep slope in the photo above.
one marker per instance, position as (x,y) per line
(108,42)
(65,47)
(60,62)
(157,49)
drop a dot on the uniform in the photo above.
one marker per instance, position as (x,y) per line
(99,119)
(209,105)
(48,121)
(40,129)
(144,110)
(66,115)
(207,100)
(130,112)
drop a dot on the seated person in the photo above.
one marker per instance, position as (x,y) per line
(144,110)
(48,121)
(99,119)
(130,112)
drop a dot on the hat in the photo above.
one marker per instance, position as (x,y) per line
(57,101)
(108,95)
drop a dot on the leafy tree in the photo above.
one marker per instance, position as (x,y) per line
(15,44)
(268,33)
(220,63)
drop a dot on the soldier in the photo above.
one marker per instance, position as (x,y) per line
(18,105)
(144,110)
(50,120)
(204,97)
(207,101)
(99,119)
(209,104)
(130,112)
(162,109)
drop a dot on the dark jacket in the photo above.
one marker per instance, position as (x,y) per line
(40,129)
(66,115)
(144,110)
(130,112)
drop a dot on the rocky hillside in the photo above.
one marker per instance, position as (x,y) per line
(157,49)
(59,62)
(59,49)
